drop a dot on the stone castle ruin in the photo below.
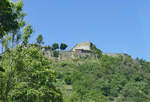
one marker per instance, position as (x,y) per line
(81,50)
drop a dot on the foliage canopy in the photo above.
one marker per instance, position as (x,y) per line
(27,77)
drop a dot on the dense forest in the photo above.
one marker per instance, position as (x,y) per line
(26,75)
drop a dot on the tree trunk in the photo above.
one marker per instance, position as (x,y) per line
(13,39)
(2,47)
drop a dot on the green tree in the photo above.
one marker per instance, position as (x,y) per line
(39,39)
(7,17)
(55,46)
(27,34)
(97,51)
(10,18)
(5,42)
(18,38)
(28,77)
(135,92)
(63,46)
(16,33)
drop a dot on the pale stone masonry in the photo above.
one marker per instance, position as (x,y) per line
(83,46)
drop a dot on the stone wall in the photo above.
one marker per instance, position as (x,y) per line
(115,54)
(71,54)
(67,54)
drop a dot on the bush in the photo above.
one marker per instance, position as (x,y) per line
(63,46)
(96,51)
(56,53)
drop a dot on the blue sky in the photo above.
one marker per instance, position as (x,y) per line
(116,26)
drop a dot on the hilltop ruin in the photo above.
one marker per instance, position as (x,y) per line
(81,50)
